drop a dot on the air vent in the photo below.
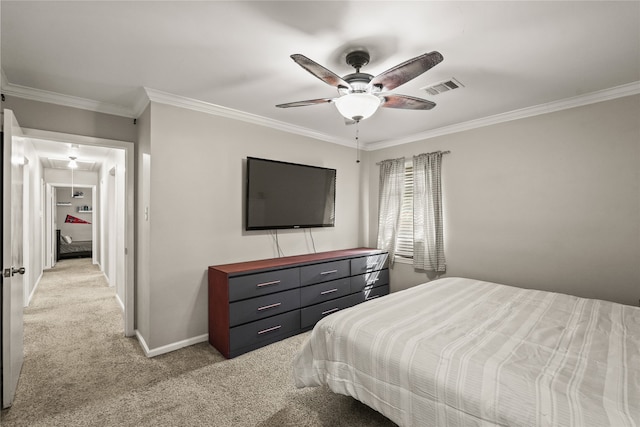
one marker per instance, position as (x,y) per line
(444,86)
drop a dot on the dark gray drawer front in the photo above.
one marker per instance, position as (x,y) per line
(324,272)
(320,292)
(371,293)
(268,305)
(369,280)
(369,263)
(263,330)
(254,285)
(311,315)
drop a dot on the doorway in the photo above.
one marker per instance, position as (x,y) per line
(109,210)
(74,225)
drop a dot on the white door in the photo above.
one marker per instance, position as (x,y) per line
(12,267)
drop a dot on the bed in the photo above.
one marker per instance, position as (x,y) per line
(462,352)
(68,248)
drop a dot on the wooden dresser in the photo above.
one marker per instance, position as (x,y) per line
(255,303)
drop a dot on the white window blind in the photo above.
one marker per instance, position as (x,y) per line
(404,239)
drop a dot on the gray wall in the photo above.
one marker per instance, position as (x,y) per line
(196,210)
(57,118)
(143,229)
(549,202)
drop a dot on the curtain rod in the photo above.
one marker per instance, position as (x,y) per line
(441,152)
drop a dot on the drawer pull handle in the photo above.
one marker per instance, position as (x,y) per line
(330,311)
(275,282)
(328,272)
(371,297)
(266,307)
(329,291)
(264,331)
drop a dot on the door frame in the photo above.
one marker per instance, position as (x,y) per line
(129,230)
(51,227)
(48,239)
(27,231)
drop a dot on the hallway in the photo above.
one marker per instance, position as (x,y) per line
(75,349)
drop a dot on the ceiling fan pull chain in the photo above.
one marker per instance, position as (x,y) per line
(357,141)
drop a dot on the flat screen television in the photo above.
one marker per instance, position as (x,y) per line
(288,195)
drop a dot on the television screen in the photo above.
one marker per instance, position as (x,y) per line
(288,195)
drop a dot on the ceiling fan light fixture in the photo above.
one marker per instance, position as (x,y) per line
(72,163)
(358,106)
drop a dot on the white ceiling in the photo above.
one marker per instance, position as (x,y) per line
(235,54)
(56,155)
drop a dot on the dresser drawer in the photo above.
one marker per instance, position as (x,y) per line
(369,280)
(324,272)
(253,285)
(268,305)
(369,263)
(320,292)
(264,330)
(371,293)
(310,315)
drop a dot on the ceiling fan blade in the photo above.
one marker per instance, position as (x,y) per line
(402,73)
(329,77)
(305,103)
(405,102)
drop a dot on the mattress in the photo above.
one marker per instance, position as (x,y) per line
(462,352)
(75,247)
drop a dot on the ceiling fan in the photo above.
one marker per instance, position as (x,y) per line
(360,94)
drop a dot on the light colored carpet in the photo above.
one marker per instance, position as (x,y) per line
(80,370)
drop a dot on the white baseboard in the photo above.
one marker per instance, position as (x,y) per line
(107,279)
(169,347)
(34,288)
(143,343)
(120,303)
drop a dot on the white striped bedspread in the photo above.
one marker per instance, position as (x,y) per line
(462,352)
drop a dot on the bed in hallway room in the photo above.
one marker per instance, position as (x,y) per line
(69,248)
(462,352)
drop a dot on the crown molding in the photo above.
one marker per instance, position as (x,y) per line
(148,95)
(564,104)
(217,110)
(140,104)
(65,100)
(3,82)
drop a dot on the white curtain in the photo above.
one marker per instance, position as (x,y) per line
(428,240)
(390,202)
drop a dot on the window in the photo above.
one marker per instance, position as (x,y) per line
(410,222)
(404,238)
